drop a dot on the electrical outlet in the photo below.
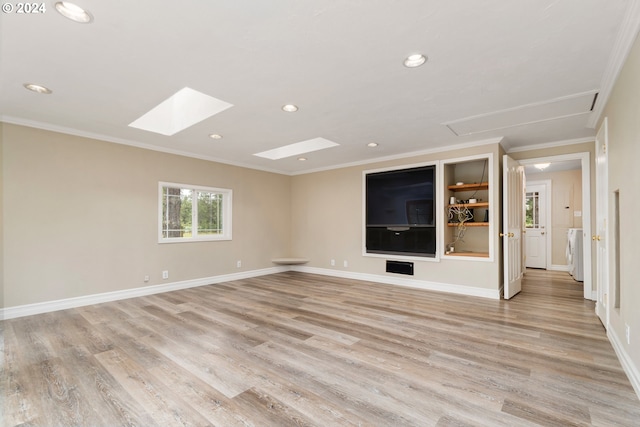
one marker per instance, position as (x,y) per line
(238,264)
(146,278)
(333,262)
(165,274)
(627,331)
(346,264)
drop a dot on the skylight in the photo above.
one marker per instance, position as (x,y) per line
(298,148)
(183,109)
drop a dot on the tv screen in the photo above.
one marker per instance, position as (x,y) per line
(400,212)
(400,197)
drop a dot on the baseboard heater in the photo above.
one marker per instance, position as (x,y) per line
(400,267)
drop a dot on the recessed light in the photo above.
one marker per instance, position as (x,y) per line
(73,12)
(542,166)
(302,159)
(415,60)
(37,88)
(372,144)
(290,108)
(215,136)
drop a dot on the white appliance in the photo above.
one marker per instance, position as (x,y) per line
(575,260)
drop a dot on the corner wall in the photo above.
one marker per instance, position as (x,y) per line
(81,217)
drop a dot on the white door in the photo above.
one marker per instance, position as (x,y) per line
(536,226)
(512,225)
(600,238)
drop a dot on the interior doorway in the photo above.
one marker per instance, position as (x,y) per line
(569,208)
(538,235)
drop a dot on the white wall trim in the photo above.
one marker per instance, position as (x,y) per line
(145,146)
(447,148)
(404,281)
(559,267)
(63,304)
(627,364)
(547,145)
(106,138)
(624,42)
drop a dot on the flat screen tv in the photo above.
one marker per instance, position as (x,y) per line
(400,212)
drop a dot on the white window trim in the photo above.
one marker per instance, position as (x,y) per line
(227,198)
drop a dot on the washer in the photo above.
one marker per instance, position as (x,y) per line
(575,259)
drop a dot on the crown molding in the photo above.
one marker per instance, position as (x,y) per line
(552,144)
(624,41)
(100,137)
(497,140)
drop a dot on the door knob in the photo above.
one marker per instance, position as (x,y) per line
(502,235)
(542,232)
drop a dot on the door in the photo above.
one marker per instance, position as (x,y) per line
(512,225)
(600,238)
(536,226)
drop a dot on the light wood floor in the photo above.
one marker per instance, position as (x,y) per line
(300,349)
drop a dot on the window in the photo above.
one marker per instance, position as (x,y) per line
(190,213)
(532,214)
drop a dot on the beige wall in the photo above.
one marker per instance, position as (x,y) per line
(328,224)
(566,198)
(623,113)
(81,217)
(1,216)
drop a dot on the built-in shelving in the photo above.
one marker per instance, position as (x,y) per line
(467,229)
(468,224)
(469,187)
(470,205)
(471,254)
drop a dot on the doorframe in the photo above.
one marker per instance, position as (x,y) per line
(589,292)
(547,213)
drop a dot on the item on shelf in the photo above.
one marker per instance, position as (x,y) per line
(459,183)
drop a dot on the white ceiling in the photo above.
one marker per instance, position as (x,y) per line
(339,61)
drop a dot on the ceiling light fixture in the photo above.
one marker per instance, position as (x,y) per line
(542,166)
(415,60)
(290,108)
(37,88)
(73,12)
(215,136)
(372,144)
(302,159)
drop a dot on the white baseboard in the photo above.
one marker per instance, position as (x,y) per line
(402,281)
(627,364)
(559,267)
(63,304)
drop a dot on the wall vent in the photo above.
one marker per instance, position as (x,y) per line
(400,267)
